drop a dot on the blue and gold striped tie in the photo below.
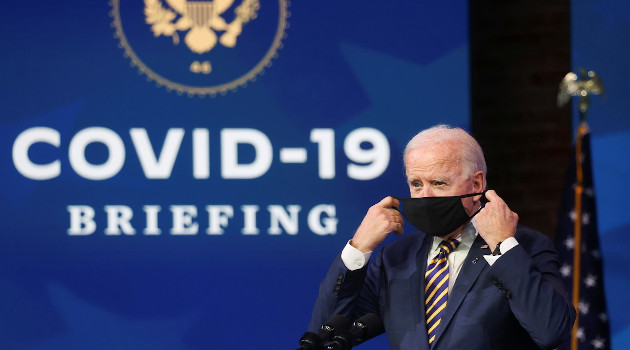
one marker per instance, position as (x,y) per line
(436,290)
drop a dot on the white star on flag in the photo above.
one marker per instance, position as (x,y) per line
(580,333)
(583,306)
(572,215)
(565,270)
(590,280)
(586,218)
(598,343)
(569,243)
(595,254)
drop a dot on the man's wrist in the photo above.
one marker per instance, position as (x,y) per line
(359,246)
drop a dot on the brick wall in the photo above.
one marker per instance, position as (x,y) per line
(519,52)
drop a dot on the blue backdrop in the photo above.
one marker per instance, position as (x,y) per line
(600,43)
(179,176)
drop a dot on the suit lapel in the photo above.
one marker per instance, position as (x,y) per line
(471,268)
(421,262)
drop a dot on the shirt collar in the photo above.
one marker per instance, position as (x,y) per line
(466,238)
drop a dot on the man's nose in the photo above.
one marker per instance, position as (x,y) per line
(426,192)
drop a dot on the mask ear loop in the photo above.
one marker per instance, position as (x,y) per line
(473,194)
(483,202)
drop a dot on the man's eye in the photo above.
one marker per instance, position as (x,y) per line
(416,185)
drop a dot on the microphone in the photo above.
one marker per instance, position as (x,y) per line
(365,328)
(316,341)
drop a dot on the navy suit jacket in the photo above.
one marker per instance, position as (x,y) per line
(517,303)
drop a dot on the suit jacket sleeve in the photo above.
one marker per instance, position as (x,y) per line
(529,276)
(347,293)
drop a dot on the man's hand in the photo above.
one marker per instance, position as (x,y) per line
(380,220)
(496,222)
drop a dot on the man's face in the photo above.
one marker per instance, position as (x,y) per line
(438,172)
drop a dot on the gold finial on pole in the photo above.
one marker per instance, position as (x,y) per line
(589,84)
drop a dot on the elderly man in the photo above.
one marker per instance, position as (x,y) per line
(470,279)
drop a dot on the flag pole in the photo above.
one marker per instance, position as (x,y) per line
(577,227)
(577,223)
(582,87)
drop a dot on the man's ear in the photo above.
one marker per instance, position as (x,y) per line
(479,184)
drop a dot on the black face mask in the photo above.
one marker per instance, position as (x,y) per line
(437,216)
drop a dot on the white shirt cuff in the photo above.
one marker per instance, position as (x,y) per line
(504,247)
(353,258)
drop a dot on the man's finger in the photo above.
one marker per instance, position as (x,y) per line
(491,195)
(389,202)
(399,229)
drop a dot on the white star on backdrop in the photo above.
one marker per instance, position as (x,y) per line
(88,323)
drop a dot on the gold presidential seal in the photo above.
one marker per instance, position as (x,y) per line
(226,43)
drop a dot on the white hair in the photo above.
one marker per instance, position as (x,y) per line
(470,151)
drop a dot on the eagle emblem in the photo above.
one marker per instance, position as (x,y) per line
(201,30)
(201,20)
(572,86)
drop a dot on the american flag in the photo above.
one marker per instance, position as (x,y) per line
(582,270)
